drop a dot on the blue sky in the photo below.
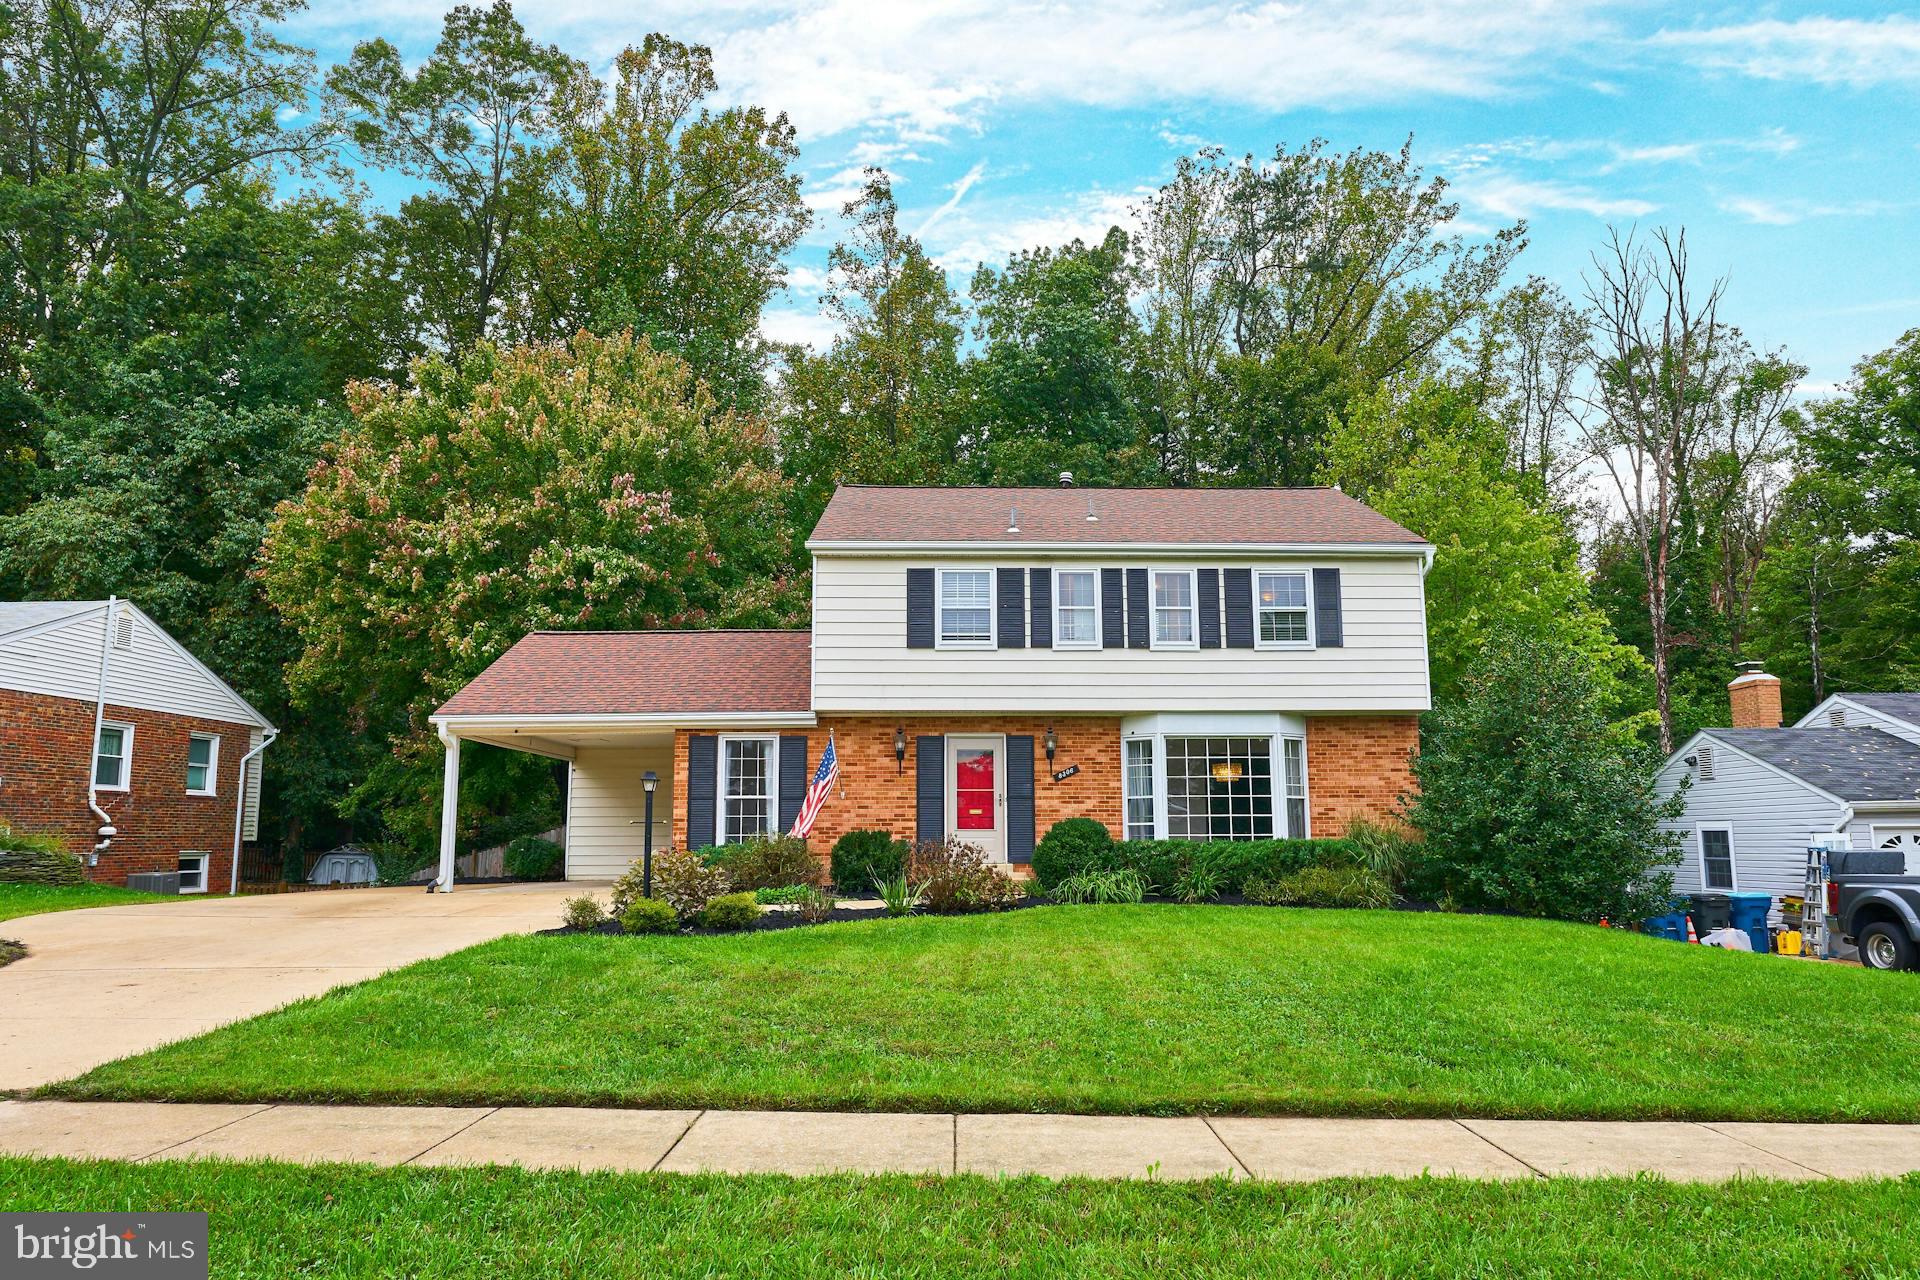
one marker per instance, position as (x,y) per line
(1785,139)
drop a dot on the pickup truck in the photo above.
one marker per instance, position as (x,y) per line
(1874,902)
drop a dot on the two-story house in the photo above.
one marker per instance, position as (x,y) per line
(117,739)
(1199,663)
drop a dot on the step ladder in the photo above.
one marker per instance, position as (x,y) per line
(1813,915)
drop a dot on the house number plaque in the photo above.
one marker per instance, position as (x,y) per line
(1061,775)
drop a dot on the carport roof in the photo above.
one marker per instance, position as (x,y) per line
(623,673)
(1854,764)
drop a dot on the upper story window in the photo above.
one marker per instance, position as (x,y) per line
(746,788)
(1173,610)
(203,756)
(1280,601)
(1076,603)
(966,608)
(113,757)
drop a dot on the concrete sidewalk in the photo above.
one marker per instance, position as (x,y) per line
(1288,1149)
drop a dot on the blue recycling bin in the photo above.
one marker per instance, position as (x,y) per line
(1671,925)
(1750,917)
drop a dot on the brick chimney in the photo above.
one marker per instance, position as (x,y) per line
(1756,698)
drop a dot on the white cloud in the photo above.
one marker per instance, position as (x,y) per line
(1852,51)
(808,328)
(1784,213)
(836,190)
(959,189)
(1507,196)
(990,232)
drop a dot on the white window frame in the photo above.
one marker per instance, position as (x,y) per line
(1156,797)
(1153,609)
(213,764)
(720,796)
(1733,858)
(1291,571)
(1285,797)
(125,781)
(1098,636)
(206,866)
(940,640)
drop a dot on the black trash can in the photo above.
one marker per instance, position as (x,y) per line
(1710,911)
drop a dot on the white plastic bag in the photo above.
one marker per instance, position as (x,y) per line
(1731,939)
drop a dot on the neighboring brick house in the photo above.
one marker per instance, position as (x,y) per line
(1197,663)
(106,721)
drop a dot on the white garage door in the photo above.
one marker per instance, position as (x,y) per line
(1905,840)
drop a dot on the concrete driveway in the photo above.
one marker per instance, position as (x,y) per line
(107,982)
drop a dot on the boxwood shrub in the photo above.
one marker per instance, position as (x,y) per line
(863,859)
(1073,846)
(1070,847)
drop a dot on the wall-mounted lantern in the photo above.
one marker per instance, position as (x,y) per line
(1053,745)
(900,749)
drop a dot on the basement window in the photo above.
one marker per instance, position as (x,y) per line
(193,872)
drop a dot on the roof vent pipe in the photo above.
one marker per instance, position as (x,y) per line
(1066,479)
(1091,518)
(1013,519)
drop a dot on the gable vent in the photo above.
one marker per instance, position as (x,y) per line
(1837,717)
(123,631)
(1706,763)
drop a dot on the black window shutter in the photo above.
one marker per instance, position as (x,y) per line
(793,778)
(1011,588)
(1207,596)
(703,769)
(1040,589)
(930,787)
(1238,585)
(1137,612)
(1020,798)
(1328,632)
(919,608)
(1113,615)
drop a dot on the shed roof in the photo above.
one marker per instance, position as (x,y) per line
(643,673)
(1175,517)
(1854,764)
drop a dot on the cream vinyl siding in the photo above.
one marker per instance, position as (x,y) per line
(605,797)
(861,662)
(1773,818)
(63,660)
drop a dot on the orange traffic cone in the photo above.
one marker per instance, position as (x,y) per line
(1603,922)
(1691,935)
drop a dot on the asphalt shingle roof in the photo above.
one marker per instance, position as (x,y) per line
(643,672)
(18,615)
(1902,706)
(1223,517)
(1854,764)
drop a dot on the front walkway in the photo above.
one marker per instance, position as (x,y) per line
(106,982)
(1052,1146)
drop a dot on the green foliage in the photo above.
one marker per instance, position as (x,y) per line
(1120,885)
(900,896)
(730,911)
(956,876)
(1386,851)
(531,858)
(398,861)
(1070,846)
(862,859)
(630,887)
(816,906)
(786,894)
(1164,864)
(648,915)
(1322,887)
(32,857)
(584,912)
(1531,801)
(766,862)
(686,882)
(1199,882)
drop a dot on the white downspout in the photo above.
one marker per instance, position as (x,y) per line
(240,809)
(107,830)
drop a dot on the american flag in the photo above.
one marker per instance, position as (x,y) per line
(823,779)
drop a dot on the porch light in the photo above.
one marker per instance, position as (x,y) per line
(1053,744)
(900,749)
(650,781)
(1226,771)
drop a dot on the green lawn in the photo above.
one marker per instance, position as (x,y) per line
(1158,1009)
(34,899)
(273,1220)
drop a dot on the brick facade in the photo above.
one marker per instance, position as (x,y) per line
(1358,767)
(46,750)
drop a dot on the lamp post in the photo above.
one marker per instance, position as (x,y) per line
(648,780)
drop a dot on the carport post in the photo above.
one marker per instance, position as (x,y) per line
(449,811)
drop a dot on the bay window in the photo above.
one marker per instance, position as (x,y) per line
(1219,788)
(1139,783)
(1294,753)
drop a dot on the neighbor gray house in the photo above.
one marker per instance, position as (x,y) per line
(1847,775)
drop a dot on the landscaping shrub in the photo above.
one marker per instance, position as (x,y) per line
(817,906)
(584,912)
(38,858)
(766,862)
(862,859)
(649,915)
(532,858)
(1387,851)
(1200,882)
(730,911)
(1322,887)
(1162,864)
(398,862)
(785,894)
(687,882)
(956,876)
(1532,801)
(630,887)
(901,896)
(1121,885)
(1071,845)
